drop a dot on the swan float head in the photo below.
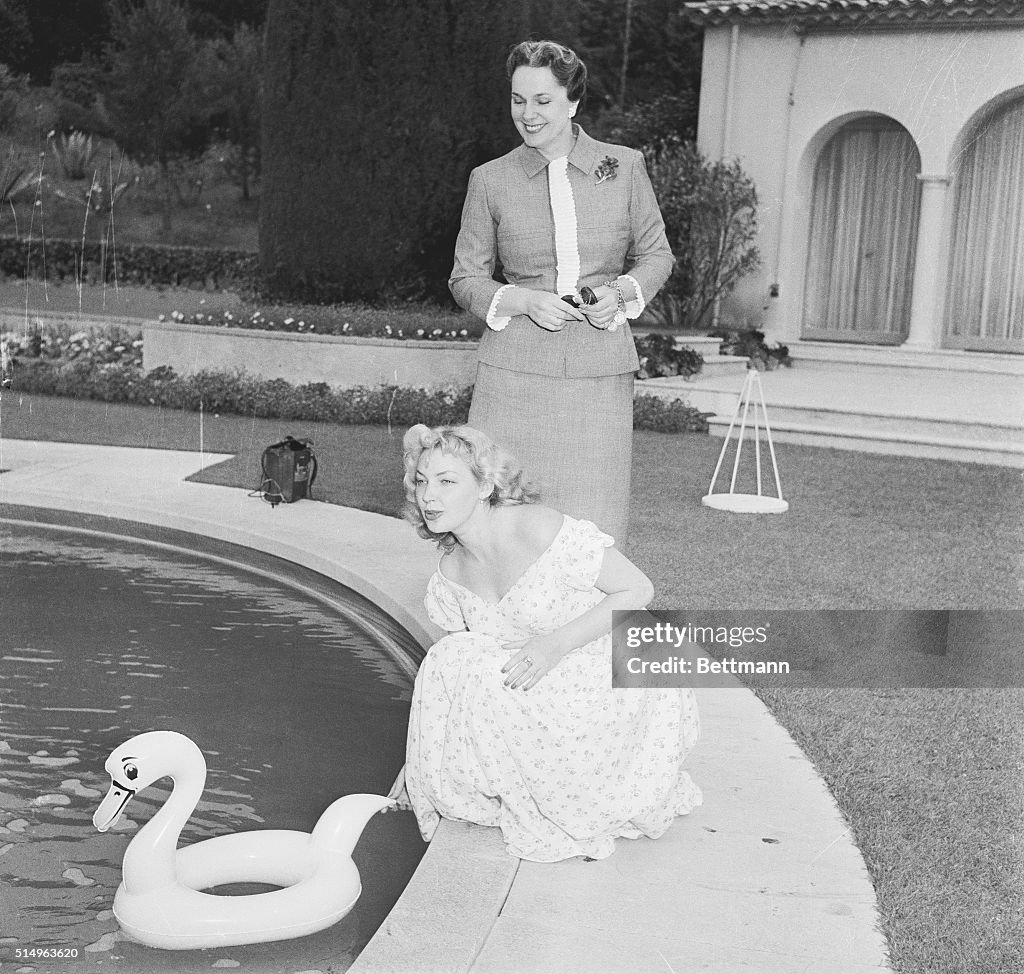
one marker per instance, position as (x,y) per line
(161,901)
(139,762)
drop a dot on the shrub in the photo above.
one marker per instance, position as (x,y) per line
(76,81)
(750,343)
(16,182)
(13,82)
(8,109)
(710,211)
(98,197)
(145,264)
(665,117)
(241,393)
(240,165)
(69,116)
(74,153)
(661,356)
(663,416)
(184,177)
(12,88)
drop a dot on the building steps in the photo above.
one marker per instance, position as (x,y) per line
(922,407)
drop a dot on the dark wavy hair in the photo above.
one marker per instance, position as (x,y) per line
(565,64)
(488,461)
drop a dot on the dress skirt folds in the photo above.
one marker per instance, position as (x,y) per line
(567,767)
(573,437)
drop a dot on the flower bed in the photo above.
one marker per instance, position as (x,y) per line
(410,322)
(60,345)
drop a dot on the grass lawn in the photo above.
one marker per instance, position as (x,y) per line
(931,781)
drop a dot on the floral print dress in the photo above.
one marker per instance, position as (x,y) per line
(566,767)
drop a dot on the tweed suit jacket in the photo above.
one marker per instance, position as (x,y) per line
(507,218)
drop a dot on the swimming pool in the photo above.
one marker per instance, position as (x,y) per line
(296,690)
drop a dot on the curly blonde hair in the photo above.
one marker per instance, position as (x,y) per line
(488,462)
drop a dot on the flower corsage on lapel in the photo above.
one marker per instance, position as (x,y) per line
(607,169)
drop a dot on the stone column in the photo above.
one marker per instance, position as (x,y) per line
(925,302)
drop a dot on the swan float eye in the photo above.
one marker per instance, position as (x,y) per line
(131,772)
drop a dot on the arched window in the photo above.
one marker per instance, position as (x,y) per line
(985,297)
(864,211)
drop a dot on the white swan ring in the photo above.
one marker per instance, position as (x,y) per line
(159,902)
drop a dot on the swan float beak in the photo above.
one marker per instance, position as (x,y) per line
(112,806)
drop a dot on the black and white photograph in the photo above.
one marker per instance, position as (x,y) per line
(512,486)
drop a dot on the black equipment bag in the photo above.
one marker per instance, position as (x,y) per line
(289,469)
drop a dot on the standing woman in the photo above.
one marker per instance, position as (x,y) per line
(564,216)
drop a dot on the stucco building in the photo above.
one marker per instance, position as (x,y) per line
(886,141)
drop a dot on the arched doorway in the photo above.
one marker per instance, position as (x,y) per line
(863,230)
(985,295)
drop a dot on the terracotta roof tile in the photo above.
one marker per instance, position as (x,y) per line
(859,13)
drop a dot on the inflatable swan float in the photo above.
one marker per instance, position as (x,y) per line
(159,902)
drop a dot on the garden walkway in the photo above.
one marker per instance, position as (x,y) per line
(764,878)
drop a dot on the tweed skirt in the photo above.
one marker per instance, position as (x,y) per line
(573,437)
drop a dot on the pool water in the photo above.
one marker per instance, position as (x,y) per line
(295,696)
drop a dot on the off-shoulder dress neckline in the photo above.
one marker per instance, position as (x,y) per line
(525,572)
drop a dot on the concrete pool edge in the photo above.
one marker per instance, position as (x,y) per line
(777,884)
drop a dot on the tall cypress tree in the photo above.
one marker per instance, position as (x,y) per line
(373,115)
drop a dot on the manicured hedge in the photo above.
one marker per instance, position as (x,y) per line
(243,394)
(145,264)
(247,395)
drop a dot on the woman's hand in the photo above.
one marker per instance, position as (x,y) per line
(399,795)
(531,660)
(549,311)
(602,314)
